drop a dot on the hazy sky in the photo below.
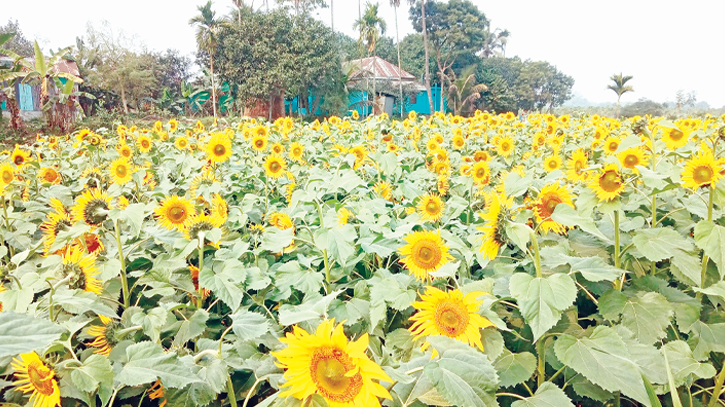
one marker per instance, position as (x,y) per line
(666,45)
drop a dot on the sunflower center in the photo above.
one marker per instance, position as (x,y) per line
(578,166)
(426,254)
(480,173)
(432,207)
(610,181)
(7,177)
(92,213)
(274,166)
(199,227)
(613,146)
(51,175)
(676,135)
(259,143)
(548,204)
(19,160)
(177,214)
(145,144)
(121,171)
(182,143)
(219,150)
(631,160)
(40,379)
(329,368)
(451,318)
(297,152)
(553,164)
(703,175)
(505,146)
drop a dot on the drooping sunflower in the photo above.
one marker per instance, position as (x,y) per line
(552,163)
(325,363)
(493,235)
(431,207)
(7,174)
(575,166)
(120,171)
(175,213)
(81,268)
(34,376)
(181,143)
(90,243)
(103,336)
(384,190)
(275,166)
(632,157)
(259,142)
(449,314)
(550,197)
(19,157)
(207,178)
(675,138)
(219,148)
(54,223)
(702,170)
(296,151)
(281,221)
(219,210)
(425,252)
(442,185)
(505,146)
(144,143)
(198,224)
(343,216)
(50,175)
(91,207)
(481,173)
(608,183)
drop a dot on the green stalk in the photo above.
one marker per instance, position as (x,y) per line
(541,368)
(718,388)
(537,256)
(230,392)
(200,298)
(7,226)
(470,204)
(121,258)
(705,258)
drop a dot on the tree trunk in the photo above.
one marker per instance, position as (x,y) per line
(618,99)
(123,99)
(332,17)
(213,86)
(375,82)
(400,69)
(427,57)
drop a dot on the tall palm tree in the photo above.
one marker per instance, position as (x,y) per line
(463,90)
(371,27)
(207,33)
(619,87)
(396,4)
(427,53)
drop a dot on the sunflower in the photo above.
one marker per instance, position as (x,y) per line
(384,190)
(632,157)
(550,196)
(552,163)
(360,154)
(259,142)
(198,224)
(480,173)
(219,210)
(144,143)
(54,223)
(611,144)
(442,184)
(607,184)
(702,170)
(325,363)
(175,213)
(7,174)
(431,207)
(33,375)
(343,216)
(494,217)
(104,339)
(90,243)
(275,166)
(277,148)
(49,175)
(575,166)
(124,150)
(19,157)
(505,145)
(206,178)
(281,221)
(296,151)
(81,269)
(91,207)
(458,142)
(425,253)
(120,171)
(481,156)
(449,314)
(219,148)
(181,143)
(157,391)
(675,138)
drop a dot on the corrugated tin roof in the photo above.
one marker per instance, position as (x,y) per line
(378,68)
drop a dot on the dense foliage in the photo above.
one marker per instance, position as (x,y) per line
(431,261)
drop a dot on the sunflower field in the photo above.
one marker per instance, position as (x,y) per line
(483,261)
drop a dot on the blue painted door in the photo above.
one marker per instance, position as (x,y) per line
(26,97)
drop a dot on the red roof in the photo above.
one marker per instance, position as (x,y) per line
(378,68)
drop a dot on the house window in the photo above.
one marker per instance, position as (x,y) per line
(414,99)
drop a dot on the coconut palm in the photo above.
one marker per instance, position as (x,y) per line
(396,4)
(427,52)
(620,88)
(463,90)
(371,27)
(207,32)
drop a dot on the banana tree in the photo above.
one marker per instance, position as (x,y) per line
(7,79)
(63,107)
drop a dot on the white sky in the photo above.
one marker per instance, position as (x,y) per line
(666,45)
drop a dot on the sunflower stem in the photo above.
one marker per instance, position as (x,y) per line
(541,367)
(537,256)
(230,392)
(617,253)
(719,381)
(200,291)
(470,204)
(7,226)
(705,257)
(122,259)
(249,393)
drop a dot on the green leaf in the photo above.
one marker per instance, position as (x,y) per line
(191,328)
(542,299)
(660,243)
(95,370)
(683,365)
(147,362)
(20,333)
(604,360)
(519,233)
(568,216)
(711,238)
(515,185)
(225,284)
(338,241)
(290,274)
(314,307)
(594,269)
(249,325)
(379,245)
(464,377)
(515,368)
(715,292)
(646,314)
(547,395)
(707,338)
(78,302)
(686,268)
(275,240)
(676,402)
